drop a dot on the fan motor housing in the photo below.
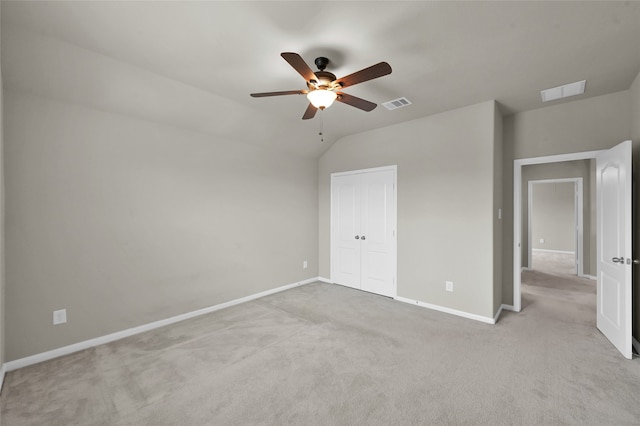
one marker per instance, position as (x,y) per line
(325,76)
(325,80)
(321,62)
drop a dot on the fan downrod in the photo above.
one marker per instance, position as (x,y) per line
(321,62)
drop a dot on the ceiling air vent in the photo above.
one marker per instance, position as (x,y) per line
(396,103)
(565,91)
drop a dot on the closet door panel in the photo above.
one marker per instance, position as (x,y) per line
(377,227)
(346,227)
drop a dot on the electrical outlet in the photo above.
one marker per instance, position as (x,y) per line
(541,240)
(59,317)
(449,285)
(304,265)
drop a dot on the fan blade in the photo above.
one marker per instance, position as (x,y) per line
(374,71)
(310,112)
(288,92)
(354,101)
(299,65)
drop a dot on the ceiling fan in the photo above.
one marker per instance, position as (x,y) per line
(324,87)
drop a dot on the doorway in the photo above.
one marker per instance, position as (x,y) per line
(555,224)
(521,228)
(613,232)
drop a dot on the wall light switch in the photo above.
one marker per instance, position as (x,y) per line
(59,317)
(541,240)
(449,285)
(304,265)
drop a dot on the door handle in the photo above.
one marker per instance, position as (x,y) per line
(357,237)
(618,260)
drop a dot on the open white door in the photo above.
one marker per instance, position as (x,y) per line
(614,246)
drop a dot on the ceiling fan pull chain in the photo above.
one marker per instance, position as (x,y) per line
(321,127)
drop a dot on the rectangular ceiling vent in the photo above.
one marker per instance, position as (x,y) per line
(571,89)
(396,103)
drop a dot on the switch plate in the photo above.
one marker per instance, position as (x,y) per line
(541,240)
(59,317)
(449,285)
(304,265)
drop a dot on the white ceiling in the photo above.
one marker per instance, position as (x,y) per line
(193,64)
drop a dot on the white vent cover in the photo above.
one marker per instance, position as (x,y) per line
(396,103)
(565,91)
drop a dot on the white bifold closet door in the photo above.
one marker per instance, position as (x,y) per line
(363,220)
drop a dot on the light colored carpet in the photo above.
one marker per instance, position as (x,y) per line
(323,354)
(553,276)
(559,264)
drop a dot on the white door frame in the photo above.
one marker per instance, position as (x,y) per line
(578,231)
(517,210)
(394,169)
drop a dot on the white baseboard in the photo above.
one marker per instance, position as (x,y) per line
(589,277)
(325,280)
(66,350)
(2,371)
(525,268)
(636,344)
(554,251)
(463,314)
(502,307)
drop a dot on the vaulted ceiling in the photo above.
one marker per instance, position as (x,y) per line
(193,64)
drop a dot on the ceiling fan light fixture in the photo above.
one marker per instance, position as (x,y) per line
(321,98)
(323,86)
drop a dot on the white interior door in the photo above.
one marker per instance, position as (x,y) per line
(614,246)
(345,238)
(363,221)
(377,233)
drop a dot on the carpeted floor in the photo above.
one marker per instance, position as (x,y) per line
(323,354)
(559,264)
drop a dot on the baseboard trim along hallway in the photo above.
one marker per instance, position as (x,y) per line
(66,350)
(463,314)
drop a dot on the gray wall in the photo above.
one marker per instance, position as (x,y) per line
(445,165)
(566,169)
(583,125)
(553,216)
(124,222)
